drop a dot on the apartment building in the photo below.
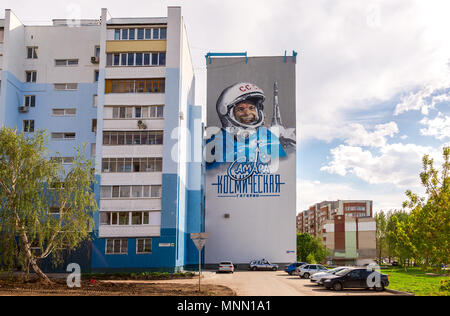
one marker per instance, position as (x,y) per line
(125,87)
(347,228)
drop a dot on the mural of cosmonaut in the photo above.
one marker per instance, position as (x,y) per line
(245,141)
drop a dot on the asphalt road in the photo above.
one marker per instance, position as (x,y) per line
(273,283)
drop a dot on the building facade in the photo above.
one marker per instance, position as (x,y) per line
(347,228)
(124,87)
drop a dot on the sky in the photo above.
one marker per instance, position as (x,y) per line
(373,80)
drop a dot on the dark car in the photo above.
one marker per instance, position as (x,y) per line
(357,278)
(290,269)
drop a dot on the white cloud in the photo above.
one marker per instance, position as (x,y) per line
(398,164)
(356,135)
(439,127)
(404,137)
(425,99)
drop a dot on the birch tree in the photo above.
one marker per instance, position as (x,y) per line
(44,208)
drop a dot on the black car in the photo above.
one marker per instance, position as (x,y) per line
(356,278)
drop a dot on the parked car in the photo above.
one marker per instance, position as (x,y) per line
(226,266)
(356,278)
(292,268)
(262,265)
(304,272)
(318,277)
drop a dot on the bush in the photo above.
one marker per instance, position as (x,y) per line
(445,286)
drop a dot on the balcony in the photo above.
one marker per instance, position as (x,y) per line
(130,231)
(138,204)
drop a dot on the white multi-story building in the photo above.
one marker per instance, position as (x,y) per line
(124,86)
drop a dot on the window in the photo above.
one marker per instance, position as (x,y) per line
(31,76)
(136,218)
(135,86)
(130,60)
(66,62)
(116,246)
(163,33)
(94,104)
(32,52)
(131,164)
(64,112)
(136,59)
(134,192)
(140,34)
(30,100)
(155,33)
(162,59)
(148,34)
(28,126)
(117,34)
(125,34)
(131,34)
(97,51)
(94,126)
(133,138)
(63,136)
(96,74)
(124,218)
(116,59)
(143,246)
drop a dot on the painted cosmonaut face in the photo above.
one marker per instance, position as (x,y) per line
(246,112)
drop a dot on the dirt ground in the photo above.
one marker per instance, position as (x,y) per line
(101,288)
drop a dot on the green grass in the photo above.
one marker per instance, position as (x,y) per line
(415,281)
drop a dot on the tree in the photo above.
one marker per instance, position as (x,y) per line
(381,233)
(34,188)
(399,232)
(310,249)
(429,226)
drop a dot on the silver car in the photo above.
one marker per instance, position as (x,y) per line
(304,272)
(317,277)
(263,265)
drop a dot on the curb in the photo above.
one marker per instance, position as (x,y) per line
(399,292)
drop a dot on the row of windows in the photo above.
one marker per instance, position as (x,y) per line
(130,191)
(357,214)
(132,165)
(124,218)
(127,34)
(355,208)
(135,86)
(133,138)
(152,111)
(120,246)
(136,59)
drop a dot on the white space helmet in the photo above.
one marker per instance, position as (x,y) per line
(234,95)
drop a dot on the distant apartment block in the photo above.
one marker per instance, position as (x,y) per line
(347,228)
